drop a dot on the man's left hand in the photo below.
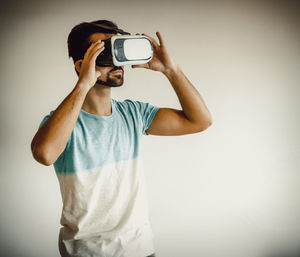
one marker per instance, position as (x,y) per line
(161,60)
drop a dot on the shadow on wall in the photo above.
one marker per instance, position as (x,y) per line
(286,253)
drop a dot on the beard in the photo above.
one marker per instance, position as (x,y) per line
(112,80)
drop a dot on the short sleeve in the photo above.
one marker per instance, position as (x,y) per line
(45,119)
(147,112)
(68,142)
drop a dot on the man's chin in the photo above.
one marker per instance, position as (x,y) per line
(109,83)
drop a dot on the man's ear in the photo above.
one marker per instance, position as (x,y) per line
(78,65)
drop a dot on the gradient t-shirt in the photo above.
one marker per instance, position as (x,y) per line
(101,178)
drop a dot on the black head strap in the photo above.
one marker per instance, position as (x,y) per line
(109,28)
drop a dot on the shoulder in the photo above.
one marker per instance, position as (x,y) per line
(132,104)
(136,107)
(128,104)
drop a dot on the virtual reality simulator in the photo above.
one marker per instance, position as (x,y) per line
(124,49)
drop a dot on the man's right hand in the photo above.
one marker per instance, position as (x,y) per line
(51,139)
(88,73)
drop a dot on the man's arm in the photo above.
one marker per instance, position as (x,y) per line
(51,138)
(194,116)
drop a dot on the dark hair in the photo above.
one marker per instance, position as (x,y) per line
(79,37)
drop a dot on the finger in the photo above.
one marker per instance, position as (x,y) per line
(161,41)
(96,53)
(139,66)
(152,39)
(87,53)
(98,73)
(95,48)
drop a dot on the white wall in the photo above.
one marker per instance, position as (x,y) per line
(230,191)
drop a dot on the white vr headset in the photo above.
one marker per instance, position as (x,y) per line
(124,49)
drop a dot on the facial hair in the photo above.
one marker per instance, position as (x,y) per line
(115,81)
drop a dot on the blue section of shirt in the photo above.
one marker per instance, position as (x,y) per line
(98,140)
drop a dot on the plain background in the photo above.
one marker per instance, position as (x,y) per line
(230,191)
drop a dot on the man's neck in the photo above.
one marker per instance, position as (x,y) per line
(97,101)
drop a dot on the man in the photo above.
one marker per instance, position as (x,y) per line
(94,142)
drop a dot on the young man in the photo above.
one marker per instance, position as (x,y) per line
(94,142)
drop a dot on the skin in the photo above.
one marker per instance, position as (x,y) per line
(97,100)
(92,95)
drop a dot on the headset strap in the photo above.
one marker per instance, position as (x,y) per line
(111,29)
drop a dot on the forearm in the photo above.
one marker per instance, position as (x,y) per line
(190,100)
(50,140)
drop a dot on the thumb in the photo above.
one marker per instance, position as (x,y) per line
(139,66)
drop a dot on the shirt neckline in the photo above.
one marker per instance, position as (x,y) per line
(101,117)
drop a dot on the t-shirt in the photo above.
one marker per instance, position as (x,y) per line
(101,179)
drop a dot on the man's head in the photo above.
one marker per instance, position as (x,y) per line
(79,40)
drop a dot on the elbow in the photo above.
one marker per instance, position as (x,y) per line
(205,123)
(41,155)
(208,123)
(204,126)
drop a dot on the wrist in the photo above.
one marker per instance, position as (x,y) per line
(172,71)
(82,87)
